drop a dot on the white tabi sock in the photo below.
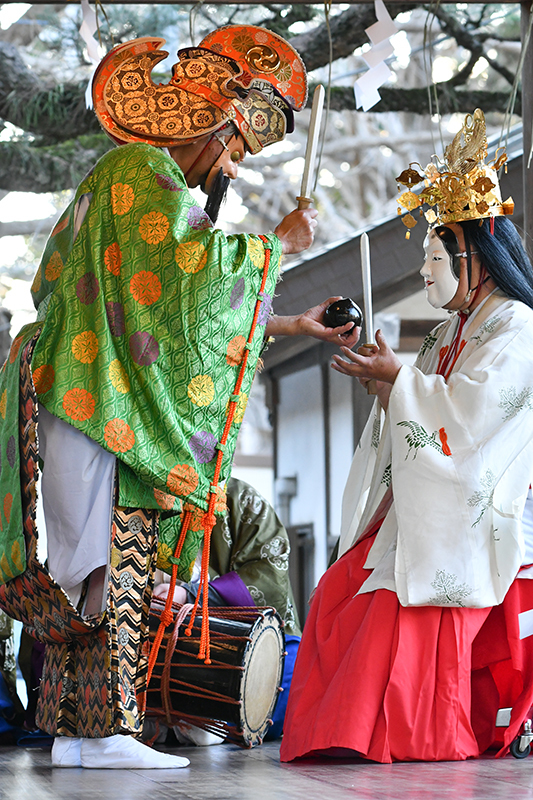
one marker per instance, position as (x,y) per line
(191,734)
(125,752)
(66,752)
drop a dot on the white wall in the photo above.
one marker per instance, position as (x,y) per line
(261,478)
(301,453)
(341,443)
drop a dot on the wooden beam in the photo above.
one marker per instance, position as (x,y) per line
(236,2)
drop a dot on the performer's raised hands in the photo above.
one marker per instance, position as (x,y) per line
(379,363)
(297,230)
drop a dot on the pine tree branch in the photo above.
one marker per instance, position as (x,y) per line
(347,32)
(415,101)
(55,114)
(470,41)
(26,168)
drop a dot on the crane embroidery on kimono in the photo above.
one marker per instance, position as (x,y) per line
(418,438)
(449,591)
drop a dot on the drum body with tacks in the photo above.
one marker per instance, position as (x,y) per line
(236,694)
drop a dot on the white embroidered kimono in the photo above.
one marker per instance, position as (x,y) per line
(459,458)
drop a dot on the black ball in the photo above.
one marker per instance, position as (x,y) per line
(341,312)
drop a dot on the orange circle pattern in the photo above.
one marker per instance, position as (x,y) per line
(153,227)
(54,268)
(122,197)
(118,436)
(182,479)
(78,404)
(220,499)
(36,285)
(235,351)
(14,351)
(113,258)
(85,347)
(197,518)
(43,378)
(8,504)
(3,404)
(165,501)
(145,287)
(191,257)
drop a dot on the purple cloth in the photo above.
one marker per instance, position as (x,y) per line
(233,590)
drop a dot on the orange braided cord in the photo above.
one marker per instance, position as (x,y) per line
(209,518)
(167,615)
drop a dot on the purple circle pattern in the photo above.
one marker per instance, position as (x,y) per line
(264,310)
(203,446)
(11,451)
(144,348)
(87,288)
(165,182)
(198,219)
(237,295)
(115,318)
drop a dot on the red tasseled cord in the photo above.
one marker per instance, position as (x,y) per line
(208,520)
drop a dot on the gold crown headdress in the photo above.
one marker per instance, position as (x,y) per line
(466,187)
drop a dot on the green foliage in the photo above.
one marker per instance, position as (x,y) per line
(27,167)
(55,113)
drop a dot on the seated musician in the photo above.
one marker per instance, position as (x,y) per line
(249,565)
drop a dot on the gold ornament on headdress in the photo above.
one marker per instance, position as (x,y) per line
(466,188)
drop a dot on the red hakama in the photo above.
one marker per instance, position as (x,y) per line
(390,683)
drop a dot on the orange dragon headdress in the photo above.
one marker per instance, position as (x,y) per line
(240,73)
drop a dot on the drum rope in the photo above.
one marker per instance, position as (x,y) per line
(172,694)
(165,677)
(209,518)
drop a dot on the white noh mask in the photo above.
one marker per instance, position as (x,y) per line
(439,278)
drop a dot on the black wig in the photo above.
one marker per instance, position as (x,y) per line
(502,255)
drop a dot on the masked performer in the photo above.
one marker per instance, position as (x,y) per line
(414,639)
(131,385)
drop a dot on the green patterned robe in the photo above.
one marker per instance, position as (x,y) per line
(144,317)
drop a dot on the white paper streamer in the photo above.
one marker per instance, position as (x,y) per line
(88,28)
(366,87)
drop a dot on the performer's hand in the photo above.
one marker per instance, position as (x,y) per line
(379,362)
(310,324)
(297,230)
(180,594)
(383,391)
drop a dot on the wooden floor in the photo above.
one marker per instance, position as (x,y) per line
(228,773)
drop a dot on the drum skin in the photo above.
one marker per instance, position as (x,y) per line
(236,694)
